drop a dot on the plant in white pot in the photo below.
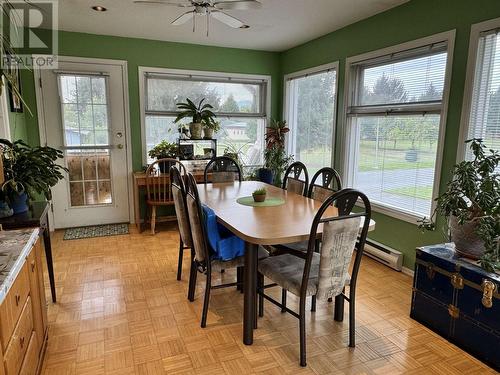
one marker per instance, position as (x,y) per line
(199,113)
(471,203)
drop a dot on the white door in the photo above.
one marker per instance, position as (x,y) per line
(84,115)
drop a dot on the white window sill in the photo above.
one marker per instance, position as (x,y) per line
(396,213)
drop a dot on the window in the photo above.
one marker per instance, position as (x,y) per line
(240,103)
(484,97)
(394,117)
(310,113)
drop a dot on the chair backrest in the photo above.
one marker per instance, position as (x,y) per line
(196,223)
(158,180)
(179,195)
(296,178)
(341,235)
(222,169)
(324,183)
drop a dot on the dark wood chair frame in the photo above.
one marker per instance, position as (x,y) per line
(177,180)
(344,201)
(330,179)
(205,266)
(297,168)
(222,164)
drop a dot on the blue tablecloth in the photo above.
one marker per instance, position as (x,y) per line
(224,244)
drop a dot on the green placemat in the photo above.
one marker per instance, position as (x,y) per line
(269,202)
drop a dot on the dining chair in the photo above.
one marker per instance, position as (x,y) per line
(296,178)
(177,182)
(222,169)
(324,183)
(158,192)
(203,261)
(324,274)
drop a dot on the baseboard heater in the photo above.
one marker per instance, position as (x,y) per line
(384,254)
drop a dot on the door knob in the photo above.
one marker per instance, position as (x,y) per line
(120,146)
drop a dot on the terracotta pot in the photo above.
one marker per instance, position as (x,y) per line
(195,129)
(259,197)
(208,133)
(467,242)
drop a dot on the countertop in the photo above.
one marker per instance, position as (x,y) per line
(15,246)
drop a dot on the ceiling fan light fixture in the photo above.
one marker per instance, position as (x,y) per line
(99,8)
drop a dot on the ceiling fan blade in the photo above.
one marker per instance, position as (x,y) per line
(227,19)
(238,4)
(183,18)
(155,2)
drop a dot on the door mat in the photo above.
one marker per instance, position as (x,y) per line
(95,231)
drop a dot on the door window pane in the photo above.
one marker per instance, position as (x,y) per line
(310,115)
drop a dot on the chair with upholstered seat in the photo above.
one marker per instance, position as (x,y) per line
(158,191)
(296,179)
(204,260)
(323,274)
(222,169)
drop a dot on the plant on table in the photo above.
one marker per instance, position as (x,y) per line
(259,195)
(200,114)
(163,150)
(471,203)
(28,171)
(210,126)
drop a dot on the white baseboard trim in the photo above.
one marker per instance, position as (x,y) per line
(408,271)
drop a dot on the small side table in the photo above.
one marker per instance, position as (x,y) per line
(36,216)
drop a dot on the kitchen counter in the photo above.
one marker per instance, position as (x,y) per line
(15,245)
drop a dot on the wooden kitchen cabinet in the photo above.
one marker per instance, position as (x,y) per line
(23,307)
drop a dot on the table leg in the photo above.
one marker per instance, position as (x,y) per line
(249,285)
(137,208)
(48,257)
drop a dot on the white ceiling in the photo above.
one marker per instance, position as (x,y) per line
(277,26)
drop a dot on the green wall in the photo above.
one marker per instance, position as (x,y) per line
(410,21)
(142,52)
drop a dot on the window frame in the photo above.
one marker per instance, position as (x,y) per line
(347,135)
(287,97)
(210,76)
(475,33)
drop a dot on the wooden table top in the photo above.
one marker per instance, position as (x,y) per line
(287,223)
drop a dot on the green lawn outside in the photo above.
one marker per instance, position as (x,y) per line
(422,192)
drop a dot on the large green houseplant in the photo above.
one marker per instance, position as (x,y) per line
(200,115)
(28,171)
(275,156)
(471,203)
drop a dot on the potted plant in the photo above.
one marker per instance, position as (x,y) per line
(276,159)
(200,114)
(210,126)
(28,171)
(163,150)
(259,195)
(471,203)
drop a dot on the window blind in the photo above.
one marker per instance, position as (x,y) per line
(484,121)
(395,115)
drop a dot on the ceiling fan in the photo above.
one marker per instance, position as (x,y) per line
(208,8)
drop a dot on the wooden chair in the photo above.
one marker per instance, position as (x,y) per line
(158,191)
(177,182)
(203,260)
(222,169)
(324,274)
(296,178)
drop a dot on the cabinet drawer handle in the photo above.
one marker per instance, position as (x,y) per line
(21,341)
(32,266)
(18,298)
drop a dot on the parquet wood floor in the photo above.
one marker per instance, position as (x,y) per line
(122,311)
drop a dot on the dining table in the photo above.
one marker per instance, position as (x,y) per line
(285,223)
